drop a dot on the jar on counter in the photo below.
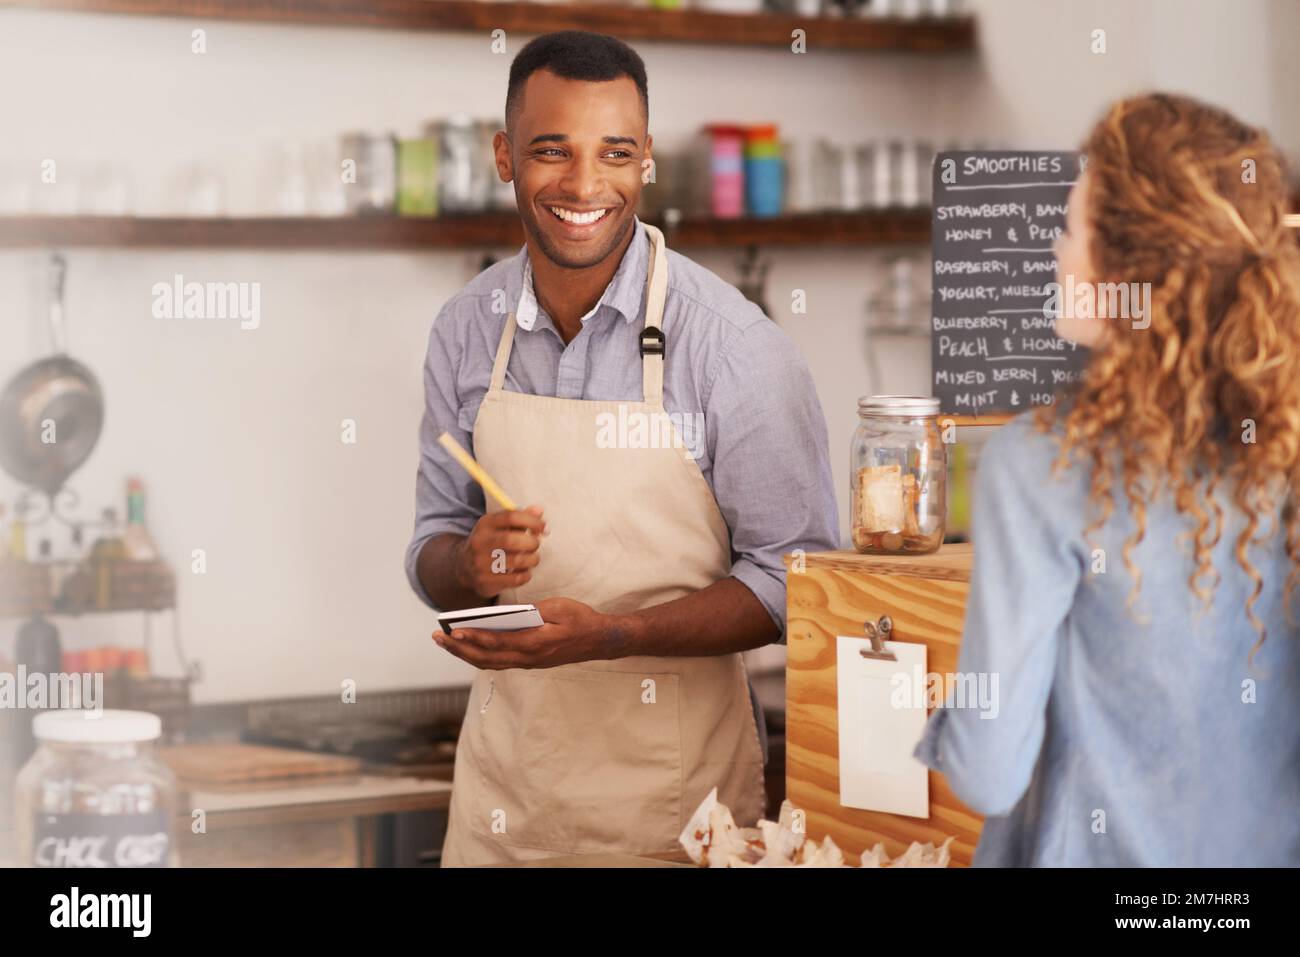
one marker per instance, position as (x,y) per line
(898,495)
(95,794)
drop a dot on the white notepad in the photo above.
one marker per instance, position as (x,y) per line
(881,721)
(492,618)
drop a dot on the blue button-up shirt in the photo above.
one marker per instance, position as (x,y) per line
(764,445)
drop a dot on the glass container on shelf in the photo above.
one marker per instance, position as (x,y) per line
(373,188)
(898,307)
(837,182)
(464,162)
(898,501)
(726,170)
(764,171)
(417,176)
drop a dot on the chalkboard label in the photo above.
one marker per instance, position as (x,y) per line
(992,345)
(101,840)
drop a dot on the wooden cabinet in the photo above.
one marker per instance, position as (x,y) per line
(834,594)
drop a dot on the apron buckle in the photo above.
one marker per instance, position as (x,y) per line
(652,341)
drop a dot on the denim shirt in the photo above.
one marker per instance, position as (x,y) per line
(1120,738)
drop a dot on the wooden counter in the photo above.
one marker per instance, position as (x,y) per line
(834,594)
(323,823)
(329,822)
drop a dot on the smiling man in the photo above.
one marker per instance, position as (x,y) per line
(653,563)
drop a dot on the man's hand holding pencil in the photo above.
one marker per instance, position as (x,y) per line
(501,550)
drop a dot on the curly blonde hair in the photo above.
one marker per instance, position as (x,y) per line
(1189,199)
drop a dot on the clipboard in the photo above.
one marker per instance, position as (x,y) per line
(881,719)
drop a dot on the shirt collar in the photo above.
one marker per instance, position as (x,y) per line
(625,293)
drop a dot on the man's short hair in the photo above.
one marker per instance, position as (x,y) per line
(575,55)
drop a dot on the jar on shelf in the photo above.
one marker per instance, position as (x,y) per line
(897,494)
(95,794)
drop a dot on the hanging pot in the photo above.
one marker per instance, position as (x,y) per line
(52,412)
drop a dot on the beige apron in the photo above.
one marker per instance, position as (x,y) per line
(603,756)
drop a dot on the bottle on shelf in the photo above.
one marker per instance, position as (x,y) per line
(38,650)
(109,546)
(18,534)
(139,544)
(114,659)
(137,663)
(38,646)
(59,570)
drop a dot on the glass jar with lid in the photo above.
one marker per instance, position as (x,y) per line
(898,485)
(95,794)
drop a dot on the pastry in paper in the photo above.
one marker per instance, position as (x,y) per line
(916,855)
(712,839)
(780,839)
(827,855)
(694,838)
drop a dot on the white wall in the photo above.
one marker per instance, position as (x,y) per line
(237,433)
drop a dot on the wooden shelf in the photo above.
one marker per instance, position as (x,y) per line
(94,586)
(360,232)
(867,228)
(882,227)
(925,35)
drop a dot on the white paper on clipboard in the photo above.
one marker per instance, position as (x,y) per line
(881,719)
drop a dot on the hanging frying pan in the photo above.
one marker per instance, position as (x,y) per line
(52,412)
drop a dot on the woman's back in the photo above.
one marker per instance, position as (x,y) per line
(1162,741)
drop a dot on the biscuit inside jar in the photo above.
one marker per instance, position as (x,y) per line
(888,515)
(880,498)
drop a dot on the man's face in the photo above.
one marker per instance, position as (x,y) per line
(576,156)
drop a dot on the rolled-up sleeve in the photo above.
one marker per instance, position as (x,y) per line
(446,498)
(1028,562)
(771,470)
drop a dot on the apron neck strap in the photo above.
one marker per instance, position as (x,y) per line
(652,336)
(498,380)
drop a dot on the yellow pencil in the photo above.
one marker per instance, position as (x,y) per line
(475,470)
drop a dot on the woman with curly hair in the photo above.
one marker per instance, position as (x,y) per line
(1136,544)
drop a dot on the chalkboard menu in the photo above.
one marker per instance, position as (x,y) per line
(996,215)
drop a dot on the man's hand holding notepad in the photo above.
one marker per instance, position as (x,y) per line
(492,618)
